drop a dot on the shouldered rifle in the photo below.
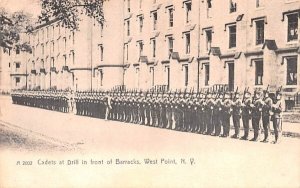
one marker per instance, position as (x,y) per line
(279,90)
(266,91)
(236,91)
(253,98)
(244,95)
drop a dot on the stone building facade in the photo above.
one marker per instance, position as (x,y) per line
(185,44)
(199,44)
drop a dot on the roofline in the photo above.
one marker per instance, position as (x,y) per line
(46,24)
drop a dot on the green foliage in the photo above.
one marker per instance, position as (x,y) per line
(11,26)
(69,11)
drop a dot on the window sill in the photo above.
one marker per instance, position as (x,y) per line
(292,42)
(290,86)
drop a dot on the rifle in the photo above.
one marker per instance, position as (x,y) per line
(236,91)
(218,94)
(266,92)
(254,94)
(279,90)
(244,95)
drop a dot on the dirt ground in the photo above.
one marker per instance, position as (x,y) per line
(15,138)
(57,144)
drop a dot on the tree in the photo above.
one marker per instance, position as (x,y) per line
(11,27)
(69,11)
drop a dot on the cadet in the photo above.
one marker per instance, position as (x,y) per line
(266,112)
(246,114)
(218,116)
(209,115)
(227,109)
(256,105)
(236,114)
(277,116)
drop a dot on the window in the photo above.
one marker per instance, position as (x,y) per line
(232,36)
(188,7)
(43,34)
(52,43)
(33,65)
(208,39)
(101,77)
(33,51)
(65,60)
(170,45)
(291,78)
(52,62)
(73,36)
(42,64)
(65,43)
(18,81)
(167,70)
(18,50)
(208,3)
(153,48)
(101,29)
(152,75)
(57,43)
(154,20)
(43,49)
(171,17)
(53,32)
(141,23)
(8,65)
(47,32)
(259,70)
(292,27)
(101,52)
(128,27)
(260,27)
(259,3)
(206,76)
(128,5)
(233,6)
(127,52)
(187,43)
(17,66)
(186,75)
(58,29)
(141,46)
(38,36)
(73,57)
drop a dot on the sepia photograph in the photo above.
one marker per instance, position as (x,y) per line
(149,93)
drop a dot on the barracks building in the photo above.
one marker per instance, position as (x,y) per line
(171,44)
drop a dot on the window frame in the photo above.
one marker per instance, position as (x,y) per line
(154,47)
(170,45)
(188,10)
(295,27)
(141,48)
(232,6)
(141,23)
(208,44)
(128,27)
(259,82)
(232,43)
(155,19)
(290,60)
(171,16)
(187,36)
(185,68)
(257,40)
